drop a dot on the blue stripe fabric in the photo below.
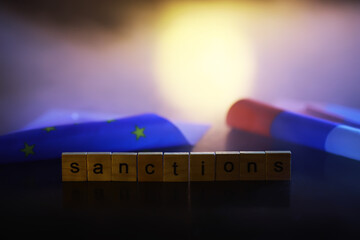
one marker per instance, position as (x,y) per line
(137,133)
(301,129)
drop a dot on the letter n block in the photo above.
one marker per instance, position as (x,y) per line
(124,167)
(252,165)
(176,167)
(150,167)
(73,166)
(202,166)
(227,166)
(278,165)
(99,166)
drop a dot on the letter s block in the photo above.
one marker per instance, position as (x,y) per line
(150,167)
(278,164)
(73,166)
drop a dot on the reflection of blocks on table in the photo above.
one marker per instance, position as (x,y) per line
(252,165)
(73,166)
(124,167)
(227,166)
(176,167)
(202,166)
(150,166)
(99,166)
(278,165)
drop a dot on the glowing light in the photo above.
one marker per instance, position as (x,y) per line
(204,61)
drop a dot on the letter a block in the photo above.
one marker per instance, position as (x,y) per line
(124,166)
(202,166)
(99,166)
(227,166)
(278,165)
(176,167)
(252,165)
(150,166)
(73,166)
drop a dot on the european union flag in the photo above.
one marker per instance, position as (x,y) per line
(136,133)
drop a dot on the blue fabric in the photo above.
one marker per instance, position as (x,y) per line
(301,129)
(136,133)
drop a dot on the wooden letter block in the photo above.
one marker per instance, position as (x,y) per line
(278,165)
(227,166)
(252,165)
(99,166)
(74,166)
(124,167)
(202,166)
(176,167)
(150,166)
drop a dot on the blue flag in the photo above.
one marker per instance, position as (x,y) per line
(136,133)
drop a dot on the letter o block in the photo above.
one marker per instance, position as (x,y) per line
(227,166)
(150,167)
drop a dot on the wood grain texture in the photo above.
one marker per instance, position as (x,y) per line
(202,166)
(252,165)
(73,166)
(99,166)
(124,167)
(278,165)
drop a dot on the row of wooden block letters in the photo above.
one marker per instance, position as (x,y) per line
(176,166)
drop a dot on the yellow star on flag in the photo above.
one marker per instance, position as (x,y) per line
(139,132)
(28,149)
(49,129)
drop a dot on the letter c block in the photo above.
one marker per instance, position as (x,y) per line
(150,167)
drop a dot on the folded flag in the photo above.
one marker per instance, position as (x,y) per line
(136,133)
(332,112)
(267,120)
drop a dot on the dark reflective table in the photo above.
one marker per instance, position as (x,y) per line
(322,200)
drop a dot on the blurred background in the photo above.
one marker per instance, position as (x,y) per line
(185,60)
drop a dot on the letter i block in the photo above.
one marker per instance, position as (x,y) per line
(124,167)
(202,166)
(150,167)
(176,167)
(99,166)
(252,165)
(73,166)
(227,166)
(278,165)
